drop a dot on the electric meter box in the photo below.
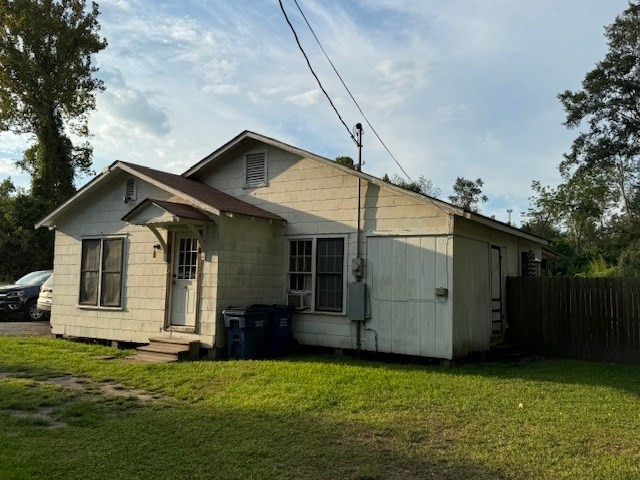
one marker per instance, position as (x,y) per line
(357,301)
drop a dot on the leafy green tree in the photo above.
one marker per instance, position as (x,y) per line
(572,217)
(598,268)
(607,104)
(47,86)
(629,262)
(19,211)
(422,185)
(467,194)
(346,161)
(593,216)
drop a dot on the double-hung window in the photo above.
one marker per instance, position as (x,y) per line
(101,272)
(316,274)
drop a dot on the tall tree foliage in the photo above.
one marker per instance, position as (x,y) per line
(594,214)
(608,106)
(22,249)
(47,86)
(346,161)
(468,194)
(422,185)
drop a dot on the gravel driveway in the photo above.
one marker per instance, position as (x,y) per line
(24,329)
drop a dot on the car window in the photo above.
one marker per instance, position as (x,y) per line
(34,278)
(48,282)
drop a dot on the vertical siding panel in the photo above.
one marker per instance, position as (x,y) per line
(399,289)
(429,274)
(443,328)
(374,294)
(414,294)
(385,277)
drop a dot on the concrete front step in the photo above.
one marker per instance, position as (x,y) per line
(169,349)
(173,340)
(146,357)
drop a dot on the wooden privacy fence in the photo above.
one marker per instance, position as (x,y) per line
(588,319)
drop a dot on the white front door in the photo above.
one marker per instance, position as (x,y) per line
(184,281)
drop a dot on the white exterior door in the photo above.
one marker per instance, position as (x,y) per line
(184,281)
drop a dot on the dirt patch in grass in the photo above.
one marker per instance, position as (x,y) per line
(100,390)
(42,416)
(79,388)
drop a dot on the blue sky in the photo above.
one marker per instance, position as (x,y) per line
(454,88)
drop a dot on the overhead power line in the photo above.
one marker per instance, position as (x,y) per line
(314,73)
(343,84)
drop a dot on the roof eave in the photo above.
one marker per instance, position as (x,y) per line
(52,217)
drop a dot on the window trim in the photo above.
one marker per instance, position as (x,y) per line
(314,260)
(97,305)
(265,169)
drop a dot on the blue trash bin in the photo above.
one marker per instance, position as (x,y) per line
(246,332)
(280,330)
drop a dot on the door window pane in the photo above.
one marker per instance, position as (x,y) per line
(187,258)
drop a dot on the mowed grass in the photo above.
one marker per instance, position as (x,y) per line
(313,417)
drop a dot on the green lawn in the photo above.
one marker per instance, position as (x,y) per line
(311,417)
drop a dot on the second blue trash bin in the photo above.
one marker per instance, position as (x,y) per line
(246,331)
(280,330)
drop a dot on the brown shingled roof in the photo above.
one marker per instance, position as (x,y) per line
(178,209)
(203,193)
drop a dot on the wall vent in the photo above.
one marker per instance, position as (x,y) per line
(255,169)
(130,190)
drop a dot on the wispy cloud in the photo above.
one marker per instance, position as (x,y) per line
(455,88)
(125,108)
(305,99)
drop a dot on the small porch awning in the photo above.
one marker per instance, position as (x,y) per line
(155,214)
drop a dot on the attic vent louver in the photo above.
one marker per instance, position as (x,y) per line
(256,169)
(130,190)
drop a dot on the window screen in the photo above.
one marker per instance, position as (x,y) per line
(101,272)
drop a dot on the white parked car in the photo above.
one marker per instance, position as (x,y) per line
(45,297)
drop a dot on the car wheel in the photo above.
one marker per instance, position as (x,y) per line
(31,311)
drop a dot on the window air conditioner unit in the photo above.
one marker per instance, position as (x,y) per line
(299,301)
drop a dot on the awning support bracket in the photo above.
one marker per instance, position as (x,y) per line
(163,244)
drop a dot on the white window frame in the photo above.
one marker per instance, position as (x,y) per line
(314,263)
(98,304)
(254,184)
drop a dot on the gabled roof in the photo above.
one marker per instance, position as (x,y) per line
(202,193)
(201,196)
(181,210)
(242,138)
(247,136)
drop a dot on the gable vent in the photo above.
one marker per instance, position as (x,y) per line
(130,190)
(256,169)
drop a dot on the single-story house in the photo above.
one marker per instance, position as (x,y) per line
(368,265)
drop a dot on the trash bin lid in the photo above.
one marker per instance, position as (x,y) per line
(242,311)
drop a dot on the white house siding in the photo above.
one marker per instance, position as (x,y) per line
(318,199)
(144,280)
(472,307)
(250,259)
(207,320)
(512,246)
(406,315)
(472,300)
